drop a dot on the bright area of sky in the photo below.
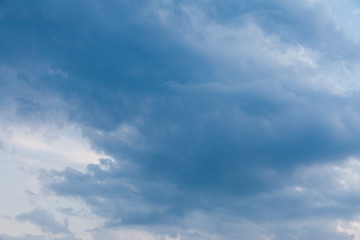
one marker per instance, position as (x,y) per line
(166,119)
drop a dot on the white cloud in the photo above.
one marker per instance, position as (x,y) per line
(245,46)
(350,228)
(28,147)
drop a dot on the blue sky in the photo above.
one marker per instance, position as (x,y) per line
(179,120)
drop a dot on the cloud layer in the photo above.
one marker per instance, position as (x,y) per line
(211,110)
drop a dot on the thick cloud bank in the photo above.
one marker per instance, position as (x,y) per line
(219,111)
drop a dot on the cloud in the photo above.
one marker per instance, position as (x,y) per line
(48,224)
(45,220)
(207,107)
(185,143)
(26,237)
(32,237)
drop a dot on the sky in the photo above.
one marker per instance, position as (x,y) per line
(179,120)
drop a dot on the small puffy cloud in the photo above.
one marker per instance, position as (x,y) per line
(45,220)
